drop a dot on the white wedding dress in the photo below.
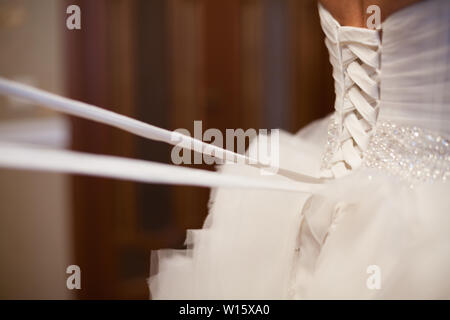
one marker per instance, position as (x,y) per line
(362,209)
(384,210)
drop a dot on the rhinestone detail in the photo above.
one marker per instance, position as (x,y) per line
(412,153)
(332,143)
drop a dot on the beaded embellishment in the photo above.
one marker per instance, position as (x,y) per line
(332,143)
(412,153)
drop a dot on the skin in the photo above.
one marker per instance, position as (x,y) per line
(353,12)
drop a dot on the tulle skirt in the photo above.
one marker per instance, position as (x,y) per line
(368,235)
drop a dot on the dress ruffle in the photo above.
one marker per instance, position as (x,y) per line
(283,245)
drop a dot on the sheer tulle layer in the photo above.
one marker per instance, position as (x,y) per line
(245,248)
(371,219)
(276,245)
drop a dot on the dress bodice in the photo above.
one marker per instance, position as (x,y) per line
(415,73)
(392,108)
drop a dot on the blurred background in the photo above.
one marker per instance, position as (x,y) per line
(230,63)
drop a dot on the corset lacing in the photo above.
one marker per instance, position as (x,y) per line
(355,57)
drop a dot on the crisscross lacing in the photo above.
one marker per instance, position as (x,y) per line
(354,55)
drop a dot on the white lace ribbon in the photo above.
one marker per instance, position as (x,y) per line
(91,112)
(354,55)
(28,157)
(16,156)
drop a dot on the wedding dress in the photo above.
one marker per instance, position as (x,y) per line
(386,205)
(362,207)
